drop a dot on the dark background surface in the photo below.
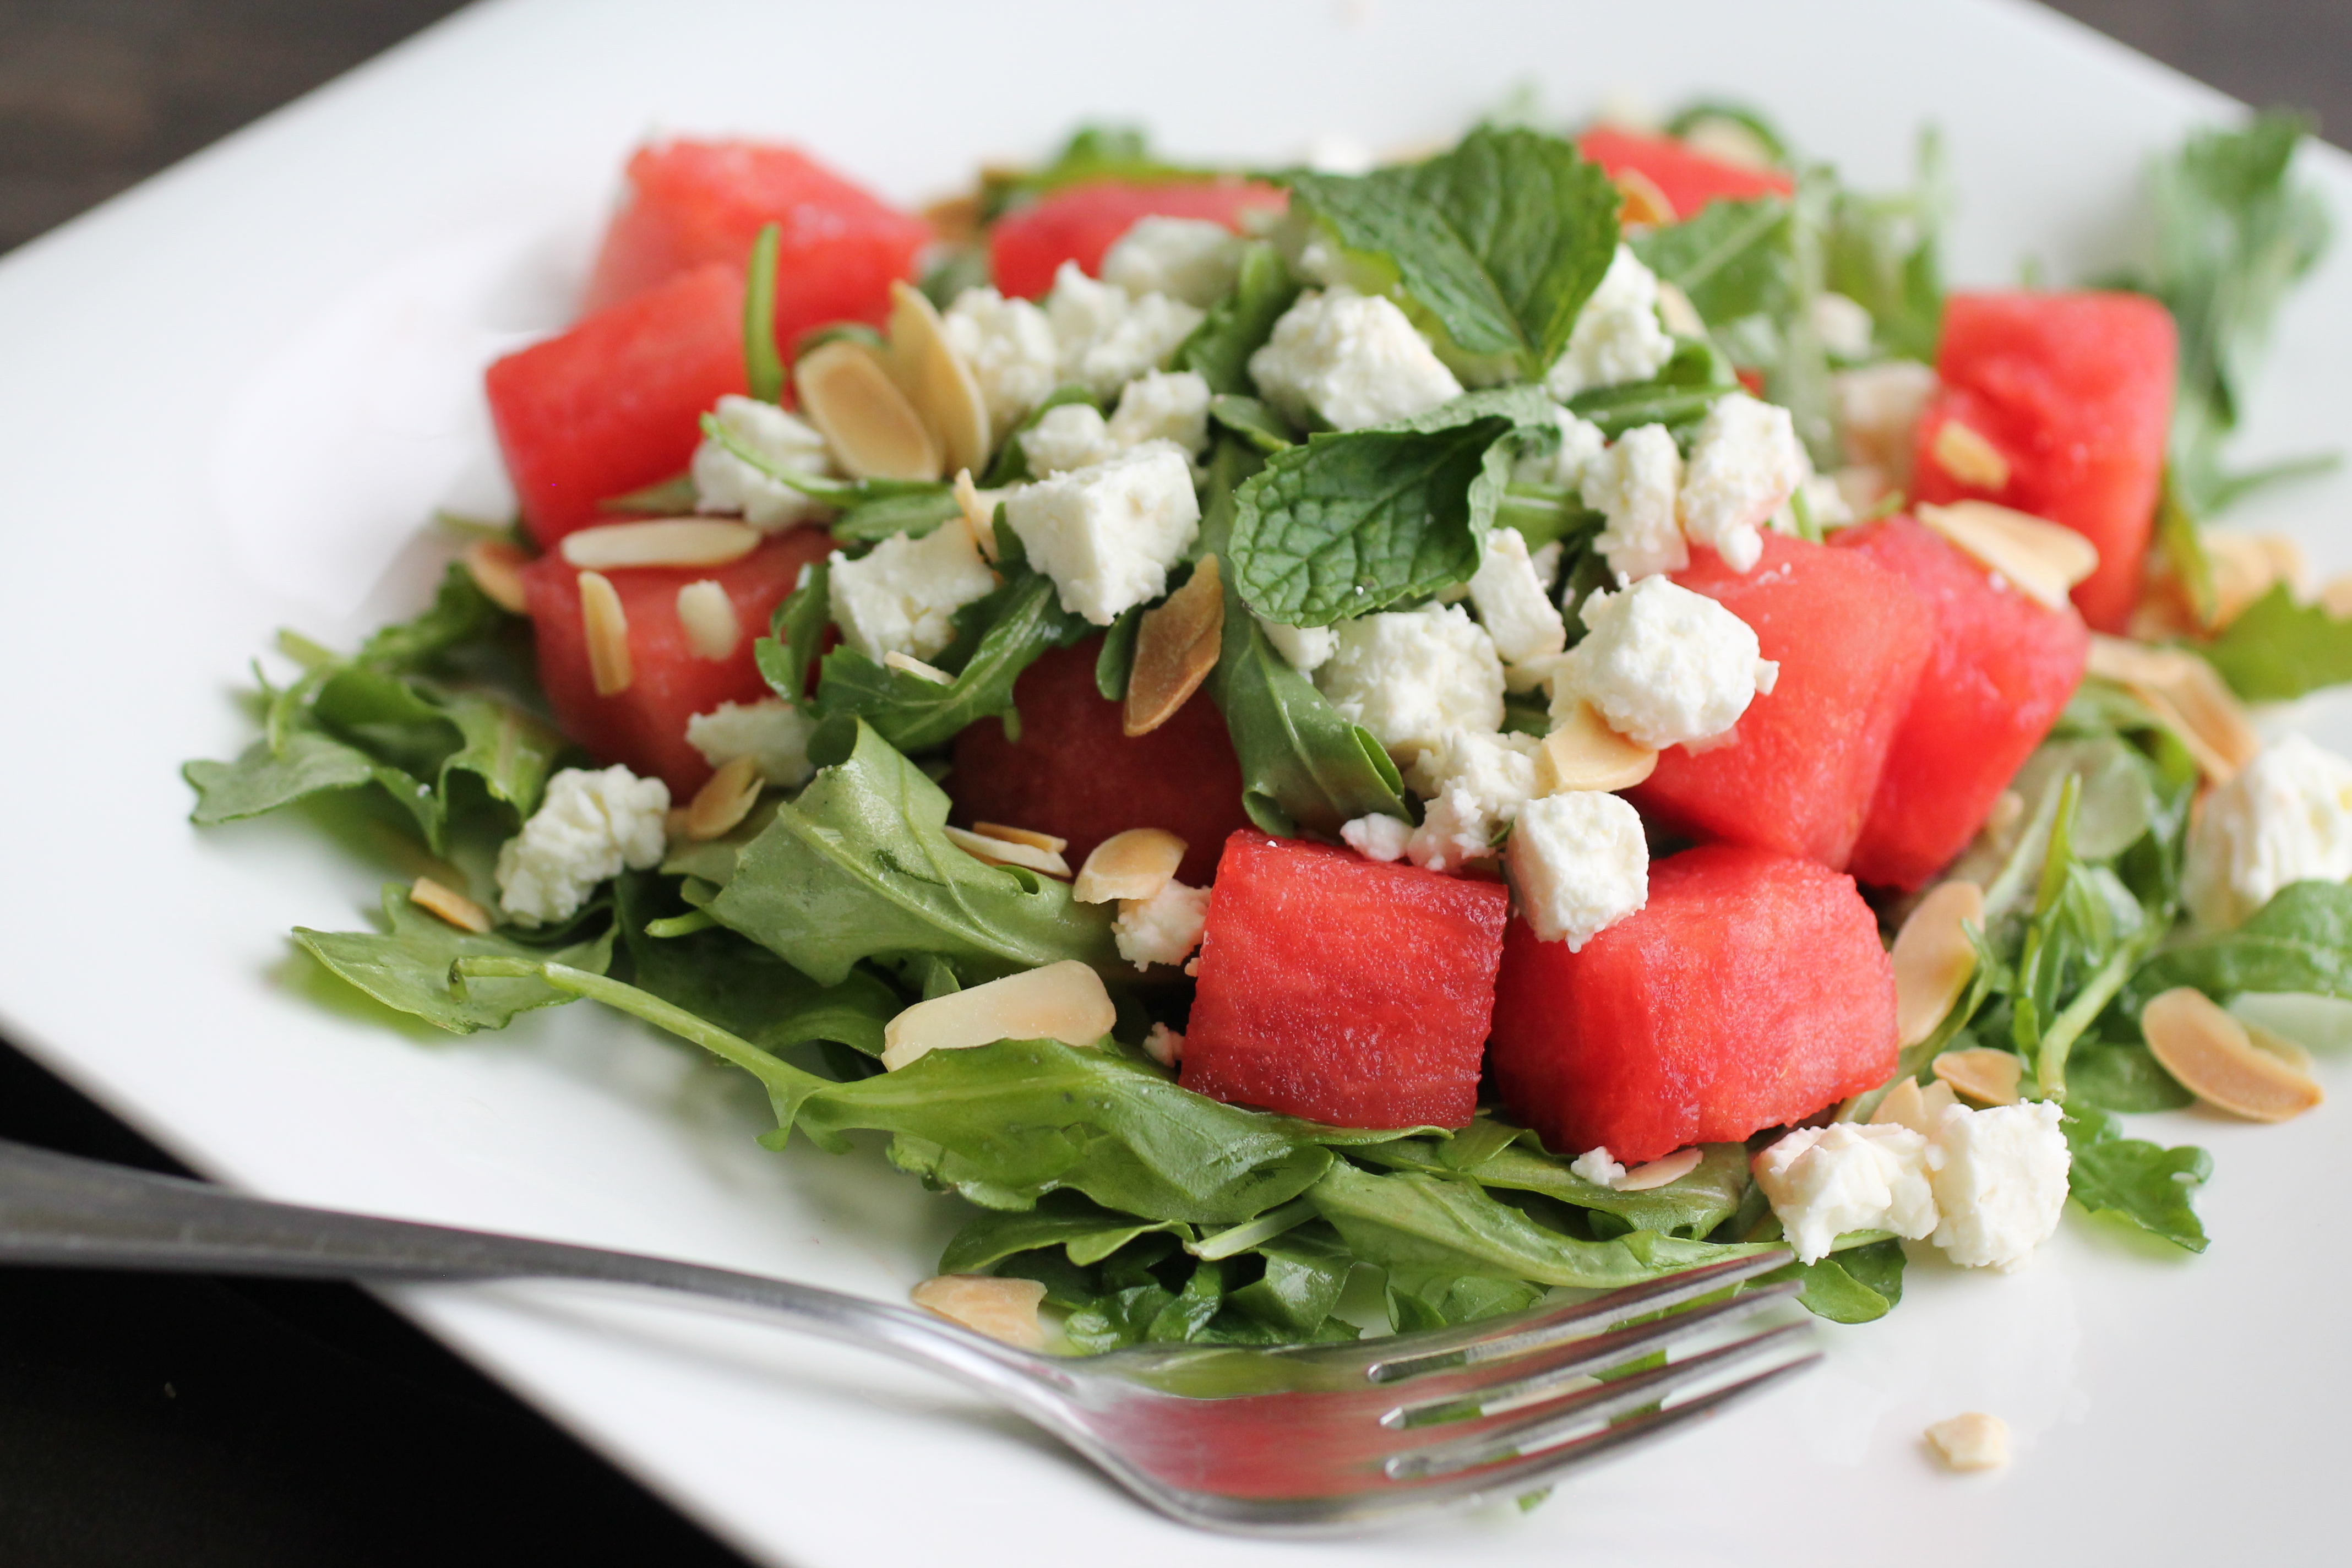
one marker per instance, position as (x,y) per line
(194,1422)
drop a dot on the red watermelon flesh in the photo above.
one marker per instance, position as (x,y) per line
(2003,669)
(1076,772)
(1750,992)
(690,204)
(644,726)
(615,403)
(1798,774)
(1687,180)
(1080,223)
(2075,390)
(1343,990)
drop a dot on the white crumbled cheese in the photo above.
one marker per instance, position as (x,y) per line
(1185,259)
(1350,360)
(1841,325)
(1595,1166)
(1476,784)
(1847,1176)
(1878,407)
(1579,447)
(1634,485)
(1377,837)
(1664,666)
(1336,152)
(1578,864)
(2000,1177)
(587,827)
(1618,337)
(2286,818)
(1107,534)
(1164,1046)
(725,483)
(1306,648)
(1164,406)
(901,596)
(1822,498)
(1744,462)
(1067,435)
(1163,928)
(1410,676)
(1511,600)
(1108,338)
(772,731)
(1010,348)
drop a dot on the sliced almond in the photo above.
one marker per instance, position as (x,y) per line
(2188,695)
(1680,316)
(605,625)
(1986,1075)
(1933,958)
(1908,1105)
(979,510)
(849,394)
(1004,1310)
(1175,649)
(2209,1052)
(936,379)
(894,659)
(2336,598)
(663,541)
(1063,1001)
(2248,566)
(2041,558)
(450,904)
(955,220)
(2007,807)
(1962,451)
(1583,752)
(708,616)
(998,852)
(725,799)
(1052,843)
(1658,1173)
(496,567)
(1135,864)
(1971,1442)
(1645,205)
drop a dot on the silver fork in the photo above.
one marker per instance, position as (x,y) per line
(1309,1440)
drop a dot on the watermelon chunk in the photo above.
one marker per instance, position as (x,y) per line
(1079,223)
(1798,772)
(2002,670)
(2075,390)
(1076,772)
(1343,990)
(615,403)
(644,726)
(1749,993)
(690,204)
(1687,180)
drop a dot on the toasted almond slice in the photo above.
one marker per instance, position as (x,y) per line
(1986,1075)
(2247,565)
(450,904)
(707,616)
(1063,1001)
(663,541)
(2271,1042)
(725,799)
(1645,205)
(2335,597)
(955,220)
(2041,558)
(1971,1442)
(998,852)
(875,432)
(1135,864)
(1175,649)
(894,659)
(1962,451)
(605,625)
(1658,1173)
(1908,1105)
(1049,842)
(2130,663)
(496,567)
(2188,695)
(2007,807)
(979,510)
(1583,752)
(1933,958)
(936,379)
(2209,1051)
(1004,1310)
(1680,316)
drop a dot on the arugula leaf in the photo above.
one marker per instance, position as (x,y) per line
(1420,1300)
(2300,940)
(1238,325)
(1305,1271)
(1858,1285)
(265,778)
(407,966)
(1085,1231)
(1689,1206)
(1022,620)
(914,510)
(1885,253)
(1730,258)
(789,651)
(1115,661)
(1011,464)
(764,367)
(1253,421)
(2121,1076)
(1354,520)
(2141,1182)
(2278,649)
(1678,396)
(1092,152)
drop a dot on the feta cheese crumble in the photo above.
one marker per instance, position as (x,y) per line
(901,596)
(1476,784)
(1306,648)
(2285,817)
(1841,325)
(1877,408)
(1163,928)
(1066,437)
(1566,463)
(1634,485)
(1595,1166)
(772,731)
(1578,863)
(1744,463)
(1377,838)
(1157,406)
(1410,676)
(1108,337)
(1617,337)
(725,483)
(2000,1177)
(1512,601)
(1350,360)
(1010,348)
(1107,533)
(588,826)
(1186,259)
(1664,666)
(1826,1181)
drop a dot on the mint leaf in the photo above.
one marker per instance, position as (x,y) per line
(407,966)
(1238,325)
(2278,649)
(1002,635)
(2141,1182)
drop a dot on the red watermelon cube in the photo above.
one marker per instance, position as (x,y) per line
(1343,990)
(644,726)
(1076,772)
(1798,774)
(2002,670)
(1750,992)
(1079,223)
(2075,392)
(1687,180)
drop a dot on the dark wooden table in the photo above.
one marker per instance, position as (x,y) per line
(194,1422)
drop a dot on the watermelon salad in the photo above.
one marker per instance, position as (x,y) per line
(1334,749)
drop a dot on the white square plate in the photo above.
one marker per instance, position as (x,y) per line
(228,399)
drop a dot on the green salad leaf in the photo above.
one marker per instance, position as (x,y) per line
(2300,940)
(788,653)
(1730,258)
(999,636)
(1238,325)
(407,967)
(1108,152)
(2278,649)
(764,367)
(2137,1181)
(1085,1231)
(1857,1284)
